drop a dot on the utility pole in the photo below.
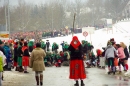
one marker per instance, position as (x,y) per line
(9,18)
(5,3)
(52,18)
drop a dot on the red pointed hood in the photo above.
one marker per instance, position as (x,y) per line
(24,47)
(75,42)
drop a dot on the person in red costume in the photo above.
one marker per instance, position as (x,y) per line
(99,55)
(25,58)
(77,69)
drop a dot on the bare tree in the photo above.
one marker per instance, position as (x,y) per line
(20,16)
(56,14)
(2,15)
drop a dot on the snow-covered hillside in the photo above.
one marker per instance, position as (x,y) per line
(99,38)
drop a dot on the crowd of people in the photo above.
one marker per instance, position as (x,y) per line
(113,55)
(117,55)
(19,53)
(43,34)
(22,54)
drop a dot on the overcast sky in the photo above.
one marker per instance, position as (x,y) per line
(15,2)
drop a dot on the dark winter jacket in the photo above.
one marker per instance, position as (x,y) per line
(20,53)
(84,48)
(2,49)
(30,44)
(47,44)
(15,53)
(126,52)
(25,51)
(7,53)
(75,54)
(54,47)
(43,45)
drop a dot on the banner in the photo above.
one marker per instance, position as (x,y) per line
(4,34)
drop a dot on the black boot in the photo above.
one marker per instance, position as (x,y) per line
(9,69)
(109,72)
(41,80)
(21,69)
(41,83)
(82,83)
(2,77)
(77,83)
(17,69)
(113,72)
(37,79)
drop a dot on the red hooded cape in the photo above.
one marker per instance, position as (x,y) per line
(75,39)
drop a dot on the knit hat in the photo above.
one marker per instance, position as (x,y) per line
(109,43)
(1,42)
(112,39)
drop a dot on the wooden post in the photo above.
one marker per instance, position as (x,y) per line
(73,25)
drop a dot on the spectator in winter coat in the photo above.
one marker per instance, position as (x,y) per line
(8,55)
(2,61)
(37,63)
(20,54)
(16,56)
(121,56)
(30,45)
(66,47)
(47,45)
(55,47)
(43,46)
(62,44)
(92,59)
(110,55)
(85,47)
(1,47)
(126,54)
(99,57)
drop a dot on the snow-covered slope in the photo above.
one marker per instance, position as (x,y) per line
(99,38)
